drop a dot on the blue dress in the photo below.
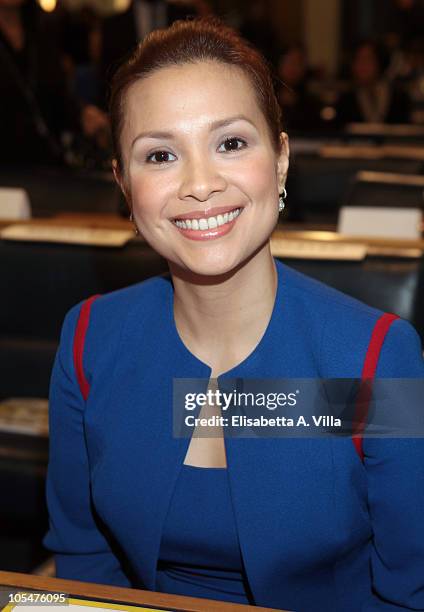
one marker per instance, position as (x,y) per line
(200,552)
(319,531)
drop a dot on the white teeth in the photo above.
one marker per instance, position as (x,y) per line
(209,223)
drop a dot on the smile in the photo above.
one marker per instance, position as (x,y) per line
(198,227)
(208,222)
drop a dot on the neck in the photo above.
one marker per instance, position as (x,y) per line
(222,320)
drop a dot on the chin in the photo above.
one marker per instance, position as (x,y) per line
(206,267)
(212,267)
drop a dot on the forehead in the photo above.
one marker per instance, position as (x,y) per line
(190,96)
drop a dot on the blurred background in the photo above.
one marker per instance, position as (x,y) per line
(350,80)
(336,62)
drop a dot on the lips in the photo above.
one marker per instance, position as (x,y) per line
(207,226)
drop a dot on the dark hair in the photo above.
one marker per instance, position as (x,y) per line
(188,42)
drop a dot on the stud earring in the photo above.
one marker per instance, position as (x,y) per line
(281,203)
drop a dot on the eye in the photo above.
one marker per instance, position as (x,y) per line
(160,157)
(232,144)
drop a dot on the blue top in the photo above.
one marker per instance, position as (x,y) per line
(200,552)
(318,529)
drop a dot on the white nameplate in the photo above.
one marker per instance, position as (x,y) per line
(309,249)
(380,222)
(66,234)
(14,204)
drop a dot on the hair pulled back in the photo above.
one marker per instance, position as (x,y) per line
(188,42)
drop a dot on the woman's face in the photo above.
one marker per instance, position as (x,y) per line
(200,172)
(365,67)
(292,67)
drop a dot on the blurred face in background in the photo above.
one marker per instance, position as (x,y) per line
(292,67)
(366,66)
(197,149)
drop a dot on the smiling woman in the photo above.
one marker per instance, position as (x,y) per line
(299,524)
(215,161)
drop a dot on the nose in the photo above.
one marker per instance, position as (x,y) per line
(200,179)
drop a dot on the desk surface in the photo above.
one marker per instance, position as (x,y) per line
(105,593)
(300,231)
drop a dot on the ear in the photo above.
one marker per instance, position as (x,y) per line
(121,182)
(283,161)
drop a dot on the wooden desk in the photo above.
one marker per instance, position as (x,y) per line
(104,593)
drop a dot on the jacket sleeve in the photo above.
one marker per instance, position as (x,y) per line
(82,550)
(395,473)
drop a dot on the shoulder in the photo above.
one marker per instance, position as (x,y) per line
(134,308)
(319,300)
(145,296)
(109,312)
(344,327)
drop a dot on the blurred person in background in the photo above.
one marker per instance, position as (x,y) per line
(371,98)
(406,20)
(414,78)
(81,42)
(404,40)
(37,108)
(407,71)
(301,109)
(34,105)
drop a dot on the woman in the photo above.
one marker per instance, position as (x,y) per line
(201,160)
(371,98)
(301,108)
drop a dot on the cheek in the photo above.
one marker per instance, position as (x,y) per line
(259,179)
(148,195)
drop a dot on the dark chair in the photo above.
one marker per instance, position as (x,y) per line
(317,186)
(392,285)
(386,189)
(55,190)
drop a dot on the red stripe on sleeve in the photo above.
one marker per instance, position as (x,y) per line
(368,372)
(79,341)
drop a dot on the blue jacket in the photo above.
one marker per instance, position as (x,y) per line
(318,530)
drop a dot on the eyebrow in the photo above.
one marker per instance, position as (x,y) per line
(215,125)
